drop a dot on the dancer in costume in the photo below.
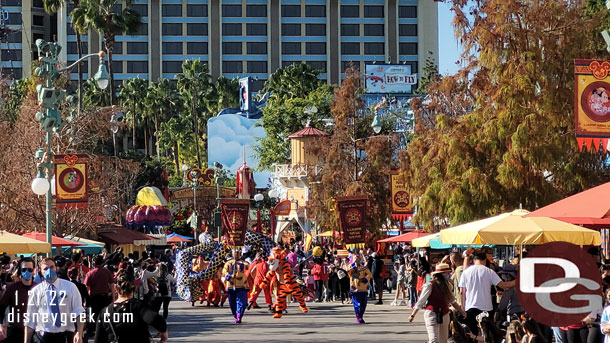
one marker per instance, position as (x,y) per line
(234,277)
(257,271)
(280,272)
(360,277)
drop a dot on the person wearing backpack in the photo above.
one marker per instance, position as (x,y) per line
(164,290)
(112,329)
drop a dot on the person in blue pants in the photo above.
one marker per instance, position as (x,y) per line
(360,277)
(236,284)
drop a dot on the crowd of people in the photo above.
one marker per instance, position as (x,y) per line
(464,296)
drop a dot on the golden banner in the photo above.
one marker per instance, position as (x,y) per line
(71,181)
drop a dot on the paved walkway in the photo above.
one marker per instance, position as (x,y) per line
(325,322)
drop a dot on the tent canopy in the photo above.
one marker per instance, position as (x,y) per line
(586,208)
(177,239)
(407,237)
(515,229)
(15,244)
(150,196)
(90,247)
(55,241)
(177,235)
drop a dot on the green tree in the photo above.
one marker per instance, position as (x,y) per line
(131,97)
(12,93)
(93,96)
(430,74)
(226,93)
(195,87)
(162,102)
(102,16)
(500,133)
(293,81)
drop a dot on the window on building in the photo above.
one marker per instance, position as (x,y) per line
(13,3)
(231,29)
(317,65)
(408,29)
(257,48)
(350,48)
(315,29)
(232,48)
(232,67)
(291,48)
(315,11)
(72,48)
(198,29)
(13,18)
(197,48)
(84,66)
(173,10)
(312,48)
(347,64)
(350,29)
(256,10)
(117,67)
(373,11)
(407,12)
(172,48)
(117,49)
(172,67)
(141,9)
(11,55)
(70,30)
(196,10)
(36,36)
(137,47)
(408,48)
(350,11)
(137,66)
(257,66)
(257,85)
(291,10)
(256,29)
(231,10)
(38,20)
(15,73)
(291,29)
(288,63)
(172,29)
(14,37)
(374,49)
(373,30)
(142,30)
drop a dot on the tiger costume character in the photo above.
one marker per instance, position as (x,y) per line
(280,272)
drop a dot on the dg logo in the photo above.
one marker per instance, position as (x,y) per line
(559,284)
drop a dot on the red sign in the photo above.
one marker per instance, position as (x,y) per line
(352,216)
(235,220)
(283,208)
(71,181)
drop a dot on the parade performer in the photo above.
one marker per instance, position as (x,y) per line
(360,277)
(280,272)
(215,291)
(234,278)
(257,271)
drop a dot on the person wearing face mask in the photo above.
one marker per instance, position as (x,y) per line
(15,299)
(360,277)
(54,309)
(435,298)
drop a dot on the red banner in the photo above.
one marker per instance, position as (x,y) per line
(402,206)
(71,181)
(283,208)
(352,216)
(592,104)
(235,214)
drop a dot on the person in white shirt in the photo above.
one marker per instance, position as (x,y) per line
(54,309)
(475,285)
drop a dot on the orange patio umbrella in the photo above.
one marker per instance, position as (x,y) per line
(55,241)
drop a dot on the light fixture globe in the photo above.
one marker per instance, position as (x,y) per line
(185,167)
(376,125)
(258,197)
(102,77)
(273,194)
(40,186)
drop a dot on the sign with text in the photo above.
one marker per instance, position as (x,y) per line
(592,103)
(352,217)
(389,78)
(71,181)
(402,206)
(235,220)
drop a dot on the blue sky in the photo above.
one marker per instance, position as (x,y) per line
(449,51)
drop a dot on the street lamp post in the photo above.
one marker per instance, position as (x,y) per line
(49,115)
(258,198)
(195,174)
(217,215)
(273,195)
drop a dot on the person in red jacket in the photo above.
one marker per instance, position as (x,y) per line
(320,272)
(258,269)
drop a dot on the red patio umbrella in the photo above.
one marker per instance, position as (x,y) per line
(407,237)
(55,241)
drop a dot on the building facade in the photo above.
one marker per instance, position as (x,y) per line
(241,37)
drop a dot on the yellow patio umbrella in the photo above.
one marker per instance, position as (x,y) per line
(514,229)
(15,244)
(325,234)
(424,242)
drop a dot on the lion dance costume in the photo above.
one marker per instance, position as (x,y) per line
(280,272)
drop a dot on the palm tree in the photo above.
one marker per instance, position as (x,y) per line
(78,24)
(131,97)
(226,93)
(162,101)
(101,16)
(195,87)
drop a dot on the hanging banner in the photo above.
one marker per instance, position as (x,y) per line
(282,208)
(71,181)
(352,217)
(592,103)
(235,220)
(402,206)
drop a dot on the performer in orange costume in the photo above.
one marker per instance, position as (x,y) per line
(257,272)
(280,271)
(214,291)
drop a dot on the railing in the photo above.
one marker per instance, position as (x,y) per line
(296,170)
